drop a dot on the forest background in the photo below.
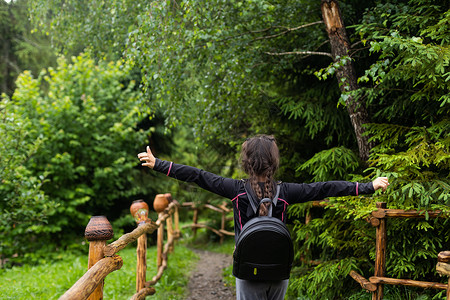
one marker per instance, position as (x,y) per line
(86,85)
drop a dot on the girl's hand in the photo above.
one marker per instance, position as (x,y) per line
(380,182)
(148,158)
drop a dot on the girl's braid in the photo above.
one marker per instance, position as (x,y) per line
(268,193)
(255,187)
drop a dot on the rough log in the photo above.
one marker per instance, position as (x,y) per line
(196,226)
(222,226)
(407,282)
(225,208)
(163,266)
(226,232)
(195,221)
(400,213)
(212,207)
(143,293)
(374,222)
(380,252)
(159,244)
(141,263)
(365,284)
(95,255)
(176,217)
(169,232)
(93,277)
(127,238)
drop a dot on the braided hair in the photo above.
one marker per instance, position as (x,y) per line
(260,158)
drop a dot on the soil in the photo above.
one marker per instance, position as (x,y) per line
(206,280)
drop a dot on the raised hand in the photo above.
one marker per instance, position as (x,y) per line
(381,183)
(147,158)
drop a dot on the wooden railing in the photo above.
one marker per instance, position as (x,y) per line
(103,259)
(375,283)
(222,209)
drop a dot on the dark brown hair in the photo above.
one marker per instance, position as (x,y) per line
(260,158)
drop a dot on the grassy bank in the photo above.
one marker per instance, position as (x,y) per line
(50,281)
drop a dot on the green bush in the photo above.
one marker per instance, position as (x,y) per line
(71,135)
(24,208)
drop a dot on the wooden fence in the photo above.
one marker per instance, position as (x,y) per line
(222,209)
(103,259)
(376,283)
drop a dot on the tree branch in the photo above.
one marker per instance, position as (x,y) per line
(301,53)
(287,31)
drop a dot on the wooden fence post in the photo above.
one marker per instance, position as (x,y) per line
(139,210)
(141,263)
(97,232)
(443,268)
(222,226)
(169,232)
(160,243)
(160,204)
(176,217)
(194,229)
(380,252)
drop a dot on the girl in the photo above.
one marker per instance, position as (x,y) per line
(260,160)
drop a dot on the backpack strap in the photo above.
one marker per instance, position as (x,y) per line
(274,201)
(252,202)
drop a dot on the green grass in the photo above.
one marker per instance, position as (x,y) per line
(50,281)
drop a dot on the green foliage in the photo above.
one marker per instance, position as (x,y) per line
(74,25)
(79,135)
(57,277)
(24,208)
(407,89)
(417,159)
(332,164)
(412,60)
(211,65)
(22,48)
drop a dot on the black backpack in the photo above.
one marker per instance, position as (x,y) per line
(264,250)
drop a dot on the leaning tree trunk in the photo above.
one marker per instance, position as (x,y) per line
(345,75)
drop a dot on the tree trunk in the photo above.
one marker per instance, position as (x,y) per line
(345,75)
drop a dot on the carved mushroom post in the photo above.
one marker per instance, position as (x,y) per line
(159,204)
(139,211)
(97,232)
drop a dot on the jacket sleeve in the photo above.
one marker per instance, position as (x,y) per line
(225,187)
(319,190)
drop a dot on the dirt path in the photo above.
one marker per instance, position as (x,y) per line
(206,280)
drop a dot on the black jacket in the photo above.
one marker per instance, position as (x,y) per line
(234,190)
